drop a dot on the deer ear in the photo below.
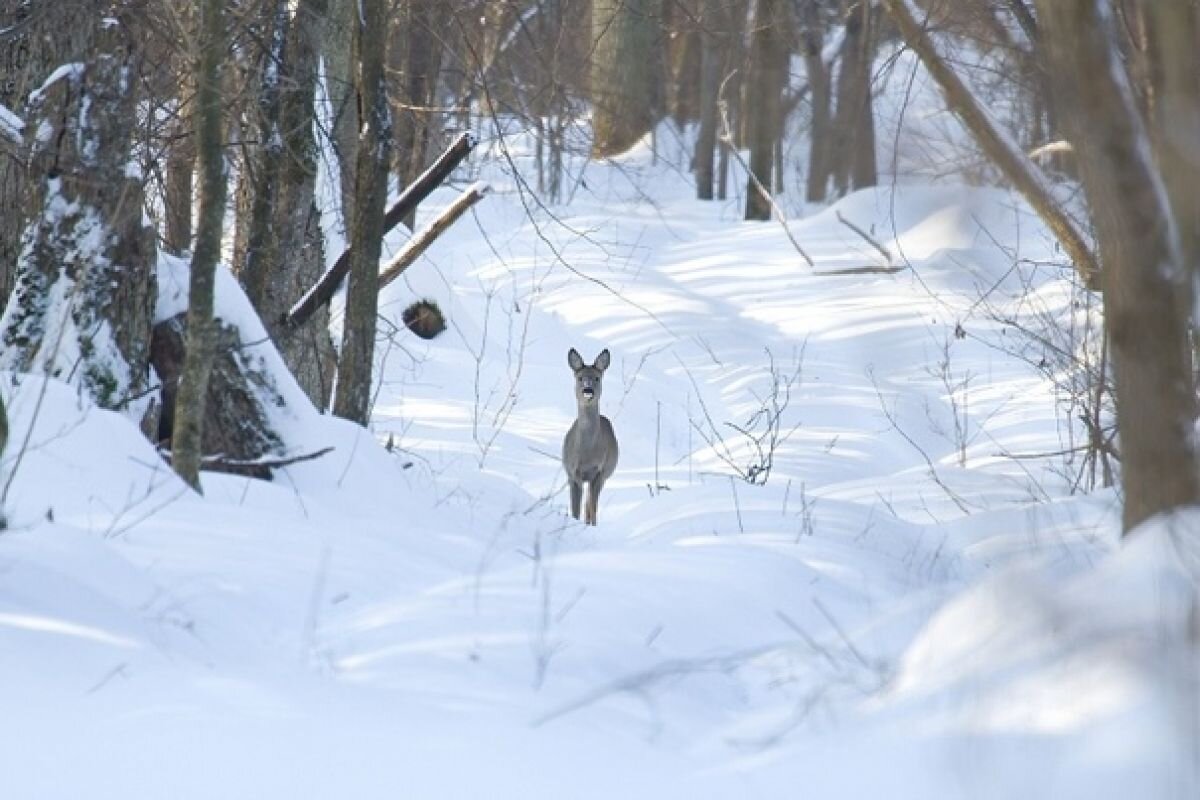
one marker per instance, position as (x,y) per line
(602,360)
(574,360)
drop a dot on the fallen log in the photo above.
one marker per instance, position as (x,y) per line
(409,199)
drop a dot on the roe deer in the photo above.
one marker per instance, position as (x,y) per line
(590,448)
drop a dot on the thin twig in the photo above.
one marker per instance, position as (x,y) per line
(887,254)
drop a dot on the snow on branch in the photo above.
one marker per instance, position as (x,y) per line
(12,127)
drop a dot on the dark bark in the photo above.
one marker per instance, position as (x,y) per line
(282,244)
(712,54)
(87,262)
(37,40)
(853,156)
(353,397)
(189,413)
(820,157)
(623,74)
(764,101)
(1147,286)
(256,248)
(178,185)
(237,399)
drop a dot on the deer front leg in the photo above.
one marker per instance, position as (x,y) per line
(576,497)
(593,499)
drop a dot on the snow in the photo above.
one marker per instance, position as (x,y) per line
(11,125)
(70,72)
(902,610)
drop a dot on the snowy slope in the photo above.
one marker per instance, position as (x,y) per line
(902,608)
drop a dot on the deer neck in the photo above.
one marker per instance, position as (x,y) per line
(589,416)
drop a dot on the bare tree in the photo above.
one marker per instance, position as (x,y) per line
(764,98)
(712,54)
(820,158)
(1147,285)
(280,247)
(853,157)
(201,334)
(623,74)
(353,397)
(85,287)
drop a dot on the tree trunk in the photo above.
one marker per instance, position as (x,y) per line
(353,399)
(339,58)
(1174,32)
(853,156)
(416,117)
(764,100)
(85,291)
(623,74)
(256,248)
(282,245)
(820,153)
(1147,287)
(995,142)
(37,39)
(197,363)
(711,56)
(179,184)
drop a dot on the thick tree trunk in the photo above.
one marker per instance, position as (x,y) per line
(282,246)
(820,156)
(353,398)
(623,74)
(256,248)
(85,289)
(38,37)
(996,144)
(712,54)
(1147,286)
(853,157)
(764,101)
(186,439)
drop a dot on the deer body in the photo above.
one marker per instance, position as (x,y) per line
(590,447)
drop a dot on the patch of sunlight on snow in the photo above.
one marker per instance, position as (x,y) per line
(1073,698)
(29,622)
(948,229)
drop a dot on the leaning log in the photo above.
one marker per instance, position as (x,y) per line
(423,238)
(322,292)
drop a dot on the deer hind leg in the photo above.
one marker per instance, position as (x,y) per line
(576,497)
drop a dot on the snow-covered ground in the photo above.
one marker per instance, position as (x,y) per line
(912,604)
